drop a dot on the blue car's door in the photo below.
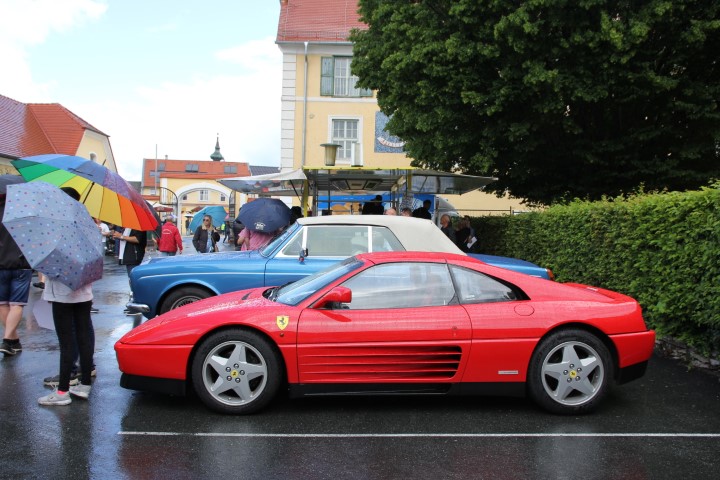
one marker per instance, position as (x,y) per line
(324,245)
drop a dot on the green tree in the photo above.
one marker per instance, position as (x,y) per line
(556,98)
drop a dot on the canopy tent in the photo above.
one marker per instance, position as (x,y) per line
(354,181)
(272,184)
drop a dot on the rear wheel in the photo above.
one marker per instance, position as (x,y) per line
(236,371)
(570,372)
(183,296)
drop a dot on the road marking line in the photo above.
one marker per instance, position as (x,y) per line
(425,435)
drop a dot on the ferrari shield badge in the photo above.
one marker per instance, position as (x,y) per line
(282,321)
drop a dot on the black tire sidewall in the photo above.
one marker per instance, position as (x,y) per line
(181,292)
(257,341)
(535,387)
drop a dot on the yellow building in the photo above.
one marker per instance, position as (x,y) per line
(321,105)
(185,186)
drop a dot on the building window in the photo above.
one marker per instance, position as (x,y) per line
(184,198)
(344,133)
(336,79)
(222,197)
(230,168)
(191,167)
(204,195)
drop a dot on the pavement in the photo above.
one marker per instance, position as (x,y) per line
(664,425)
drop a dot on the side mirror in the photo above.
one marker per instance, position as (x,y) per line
(335,295)
(303,254)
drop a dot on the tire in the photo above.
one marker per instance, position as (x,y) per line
(570,372)
(183,296)
(223,366)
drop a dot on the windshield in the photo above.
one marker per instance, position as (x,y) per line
(277,241)
(296,292)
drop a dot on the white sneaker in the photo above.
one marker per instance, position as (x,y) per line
(82,391)
(55,398)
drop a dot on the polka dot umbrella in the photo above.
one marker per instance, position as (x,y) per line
(54,232)
(105,194)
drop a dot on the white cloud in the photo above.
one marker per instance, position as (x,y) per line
(27,23)
(182,119)
(181,116)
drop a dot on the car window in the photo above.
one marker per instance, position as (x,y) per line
(277,241)
(294,245)
(346,240)
(401,285)
(475,287)
(383,240)
(296,292)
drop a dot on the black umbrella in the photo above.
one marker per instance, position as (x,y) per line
(6,180)
(264,215)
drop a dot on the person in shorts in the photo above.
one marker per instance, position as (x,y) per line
(15,278)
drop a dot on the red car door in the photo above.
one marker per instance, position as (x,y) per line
(403,326)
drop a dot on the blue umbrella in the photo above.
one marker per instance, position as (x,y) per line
(264,215)
(218,215)
(54,232)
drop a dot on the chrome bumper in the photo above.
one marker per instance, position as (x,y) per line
(137,307)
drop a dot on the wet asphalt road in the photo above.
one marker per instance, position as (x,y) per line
(666,425)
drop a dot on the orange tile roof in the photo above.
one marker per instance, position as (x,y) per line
(39,128)
(317,20)
(207,169)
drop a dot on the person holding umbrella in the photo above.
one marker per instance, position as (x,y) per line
(71,316)
(15,278)
(206,238)
(262,219)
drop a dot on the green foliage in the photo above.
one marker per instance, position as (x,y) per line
(558,99)
(661,249)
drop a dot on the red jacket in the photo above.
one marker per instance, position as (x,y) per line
(170,240)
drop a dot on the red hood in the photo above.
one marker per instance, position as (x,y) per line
(219,306)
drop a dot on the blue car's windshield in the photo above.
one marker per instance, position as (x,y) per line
(279,240)
(296,292)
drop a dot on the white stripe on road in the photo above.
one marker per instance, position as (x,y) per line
(427,435)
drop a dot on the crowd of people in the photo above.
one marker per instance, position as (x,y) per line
(462,234)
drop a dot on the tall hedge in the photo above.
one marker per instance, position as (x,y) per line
(661,249)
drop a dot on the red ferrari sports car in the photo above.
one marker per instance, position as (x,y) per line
(395,323)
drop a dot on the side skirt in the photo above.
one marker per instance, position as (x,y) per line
(504,389)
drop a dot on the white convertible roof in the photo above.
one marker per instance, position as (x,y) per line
(416,234)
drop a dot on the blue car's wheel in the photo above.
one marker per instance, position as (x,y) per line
(183,296)
(236,371)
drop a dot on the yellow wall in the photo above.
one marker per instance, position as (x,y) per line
(320,109)
(100,145)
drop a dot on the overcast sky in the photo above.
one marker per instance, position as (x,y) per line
(165,73)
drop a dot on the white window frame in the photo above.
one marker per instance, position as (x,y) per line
(344,154)
(204,195)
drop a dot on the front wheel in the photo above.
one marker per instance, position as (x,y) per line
(570,372)
(183,296)
(236,371)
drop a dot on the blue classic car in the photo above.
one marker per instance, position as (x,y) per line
(311,244)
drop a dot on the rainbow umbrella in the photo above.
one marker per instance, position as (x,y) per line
(105,194)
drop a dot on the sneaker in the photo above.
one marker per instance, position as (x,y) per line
(40,285)
(93,372)
(94,310)
(55,398)
(55,381)
(82,391)
(10,348)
